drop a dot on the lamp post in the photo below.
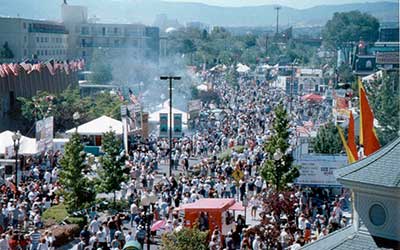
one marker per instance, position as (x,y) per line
(147,200)
(76,116)
(245,203)
(170,78)
(16,137)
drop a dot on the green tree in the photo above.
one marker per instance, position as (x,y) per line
(101,70)
(278,169)
(188,47)
(186,238)
(76,187)
(112,171)
(6,52)
(327,140)
(347,27)
(385,101)
(345,73)
(65,104)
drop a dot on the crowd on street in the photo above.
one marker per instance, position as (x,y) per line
(279,220)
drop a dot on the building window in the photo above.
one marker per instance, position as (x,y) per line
(85,30)
(83,53)
(37,39)
(25,39)
(368,64)
(377,214)
(83,43)
(42,40)
(103,31)
(46,39)
(24,24)
(45,52)
(115,30)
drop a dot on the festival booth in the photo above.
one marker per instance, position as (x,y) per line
(218,213)
(179,119)
(27,145)
(93,131)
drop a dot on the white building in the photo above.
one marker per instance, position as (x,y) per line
(303,81)
(29,38)
(135,40)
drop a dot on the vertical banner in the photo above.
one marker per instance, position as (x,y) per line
(44,134)
(145,125)
(177,125)
(163,124)
(124,116)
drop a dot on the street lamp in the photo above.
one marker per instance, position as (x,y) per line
(146,200)
(277,155)
(16,137)
(170,78)
(245,203)
(76,116)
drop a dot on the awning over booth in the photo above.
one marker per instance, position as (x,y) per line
(99,126)
(312,98)
(27,145)
(210,204)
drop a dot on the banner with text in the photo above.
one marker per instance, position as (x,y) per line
(44,134)
(317,170)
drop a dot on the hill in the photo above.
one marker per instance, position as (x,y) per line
(144,11)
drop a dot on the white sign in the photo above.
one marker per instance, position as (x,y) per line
(44,134)
(317,170)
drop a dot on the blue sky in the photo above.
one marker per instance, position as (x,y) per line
(291,3)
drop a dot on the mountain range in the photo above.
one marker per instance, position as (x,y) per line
(145,11)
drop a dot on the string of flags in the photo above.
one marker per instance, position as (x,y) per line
(13,69)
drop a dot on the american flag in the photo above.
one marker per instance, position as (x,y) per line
(50,68)
(119,93)
(132,97)
(27,66)
(308,124)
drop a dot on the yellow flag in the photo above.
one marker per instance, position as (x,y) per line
(350,156)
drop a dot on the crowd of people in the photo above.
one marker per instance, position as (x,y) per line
(278,220)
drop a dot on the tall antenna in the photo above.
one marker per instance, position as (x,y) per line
(277,8)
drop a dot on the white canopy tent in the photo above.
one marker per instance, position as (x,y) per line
(202,87)
(27,145)
(99,126)
(241,68)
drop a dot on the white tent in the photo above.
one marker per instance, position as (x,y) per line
(155,116)
(27,145)
(241,68)
(99,126)
(202,87)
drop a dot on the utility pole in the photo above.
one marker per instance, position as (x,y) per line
(277,8)
(170,78)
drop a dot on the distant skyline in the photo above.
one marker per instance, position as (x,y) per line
(290,3)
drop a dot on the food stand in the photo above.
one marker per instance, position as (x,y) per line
(217,210)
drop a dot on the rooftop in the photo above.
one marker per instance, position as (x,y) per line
(347,238)
(381,168)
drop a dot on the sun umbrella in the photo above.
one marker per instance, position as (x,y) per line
(158,225)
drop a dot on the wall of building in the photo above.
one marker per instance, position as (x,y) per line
(27,85)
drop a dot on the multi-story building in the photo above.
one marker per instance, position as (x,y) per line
(29,38)
(135,40)
(76,37)
(301,81)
